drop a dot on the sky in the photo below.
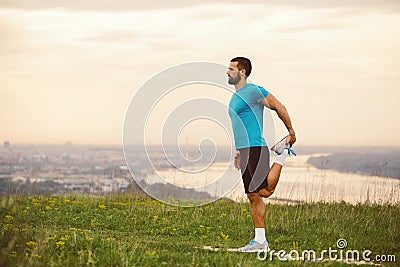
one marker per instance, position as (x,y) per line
(69,69)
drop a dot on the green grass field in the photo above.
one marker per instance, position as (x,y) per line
(128,230)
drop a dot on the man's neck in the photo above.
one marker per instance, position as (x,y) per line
(240,84)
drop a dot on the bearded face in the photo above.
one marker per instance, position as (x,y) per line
(233,73)
(234,79)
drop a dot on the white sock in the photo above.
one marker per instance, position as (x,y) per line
(280,159)
(259,235)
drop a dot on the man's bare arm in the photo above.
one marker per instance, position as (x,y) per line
(272,103)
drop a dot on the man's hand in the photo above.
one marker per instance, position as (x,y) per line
(291,138)
(236,160)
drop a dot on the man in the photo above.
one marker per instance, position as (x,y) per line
(252,154)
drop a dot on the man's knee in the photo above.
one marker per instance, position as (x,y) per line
(266,192)
(254,197)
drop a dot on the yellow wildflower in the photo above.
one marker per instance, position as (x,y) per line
(224,236)
(60,244)
(150,253)
(31,243)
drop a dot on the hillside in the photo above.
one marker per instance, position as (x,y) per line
(129,230)
(378,163)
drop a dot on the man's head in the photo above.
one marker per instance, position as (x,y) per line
(239,68)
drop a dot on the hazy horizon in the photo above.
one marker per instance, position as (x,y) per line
(195,146)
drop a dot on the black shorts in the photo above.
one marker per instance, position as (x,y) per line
(254,166)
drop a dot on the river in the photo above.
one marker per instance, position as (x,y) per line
(299,182)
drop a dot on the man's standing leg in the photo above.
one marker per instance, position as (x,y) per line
(256,202)
(254,165)
(257,213)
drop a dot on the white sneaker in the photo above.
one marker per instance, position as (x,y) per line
(254,246)
(281,146)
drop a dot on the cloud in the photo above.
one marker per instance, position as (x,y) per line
(114,38)
(130,5)
(310,27)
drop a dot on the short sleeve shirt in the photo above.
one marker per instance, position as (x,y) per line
(246,113)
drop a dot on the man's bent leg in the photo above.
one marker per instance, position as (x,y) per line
(257,209)
(272,179)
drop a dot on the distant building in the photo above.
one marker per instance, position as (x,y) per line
(6,144)
(68,143)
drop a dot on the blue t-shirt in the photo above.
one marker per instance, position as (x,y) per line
(246,113)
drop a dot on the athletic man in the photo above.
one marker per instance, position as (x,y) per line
(252,154)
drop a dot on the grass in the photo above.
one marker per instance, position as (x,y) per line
(128,230)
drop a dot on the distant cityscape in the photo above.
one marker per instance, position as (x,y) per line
(55,169)
(62,169)
(68,168)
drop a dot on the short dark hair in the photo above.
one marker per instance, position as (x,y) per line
(243,63)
